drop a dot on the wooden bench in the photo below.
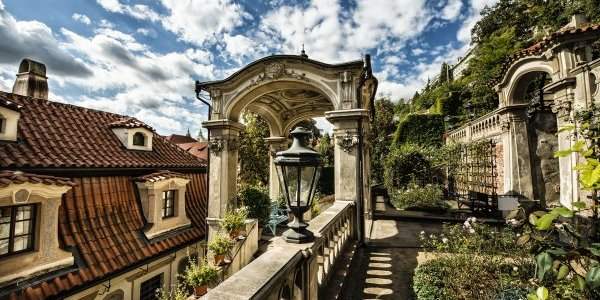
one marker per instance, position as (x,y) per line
(478,202)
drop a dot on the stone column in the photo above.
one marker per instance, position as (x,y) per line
(276,144)
(223,149)
(569,180)
(517,165)
(346,161)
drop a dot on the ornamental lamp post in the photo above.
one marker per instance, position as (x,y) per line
(298,170)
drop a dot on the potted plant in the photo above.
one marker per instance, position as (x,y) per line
(220,246)
(200,275)
(234,222)
(178,292)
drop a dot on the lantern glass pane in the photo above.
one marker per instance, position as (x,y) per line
(292,184)
(282,183)
(307,184)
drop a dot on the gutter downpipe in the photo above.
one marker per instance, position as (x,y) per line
(198,90)
(365,75)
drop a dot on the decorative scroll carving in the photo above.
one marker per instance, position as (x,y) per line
(562,108)
(277,71)
(215,145)
(505,125)
(347,141)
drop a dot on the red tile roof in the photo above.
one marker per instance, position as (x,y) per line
(198,149)
(180,139)
(129,122)
(58,135)
(160,175)
(548,42)
(17,177)
(9,104)
(101,218)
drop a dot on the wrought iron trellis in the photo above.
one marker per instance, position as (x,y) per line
(473,168)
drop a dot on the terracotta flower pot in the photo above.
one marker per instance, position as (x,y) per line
(219,259)
(200,290)
(234,234)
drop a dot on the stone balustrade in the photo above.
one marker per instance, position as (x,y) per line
(486,126)
(294,271)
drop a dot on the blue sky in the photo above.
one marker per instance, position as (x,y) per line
(141,57)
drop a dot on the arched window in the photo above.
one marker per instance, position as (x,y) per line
(139,139)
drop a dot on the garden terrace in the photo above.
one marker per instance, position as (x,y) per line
(295,271)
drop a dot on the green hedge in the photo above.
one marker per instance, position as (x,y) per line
(425,198)
(422,129)
(405,164)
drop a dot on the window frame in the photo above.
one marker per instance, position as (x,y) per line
(166,200)
(144,139)
(150,281)
(31,233)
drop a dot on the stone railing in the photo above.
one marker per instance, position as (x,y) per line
(485,126)
(294,271)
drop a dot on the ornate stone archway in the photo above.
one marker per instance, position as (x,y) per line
(566,56)
(285,89)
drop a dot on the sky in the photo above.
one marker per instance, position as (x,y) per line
(141,57)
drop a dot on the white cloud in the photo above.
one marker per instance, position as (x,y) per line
(475,8)
(138,11)
(198,21)
(452,10)
(81,18)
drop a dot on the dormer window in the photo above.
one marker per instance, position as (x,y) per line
(139,139)
(9,119)
(133,134)
(17,224)
(29,220)
(168,203)
(162,195)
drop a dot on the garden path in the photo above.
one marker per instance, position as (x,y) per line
(384,268)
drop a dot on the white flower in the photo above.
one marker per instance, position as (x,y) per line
(515,269)
(422,233)
(558,226)
(444,240)
(432,236)
(518,234)
(471,230)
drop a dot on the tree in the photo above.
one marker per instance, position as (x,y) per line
(254,151)
(445,75)
(381,131)
(325,148)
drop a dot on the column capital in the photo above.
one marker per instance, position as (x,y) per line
(346,115)
(223,124)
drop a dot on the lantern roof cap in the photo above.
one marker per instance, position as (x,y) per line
(298,153)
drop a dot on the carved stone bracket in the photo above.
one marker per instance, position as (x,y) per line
(347,141)
(233,144)
(505,125)
(562,109)
(215,145)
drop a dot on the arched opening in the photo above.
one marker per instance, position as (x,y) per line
(298,292)
(285,293)
(139,139)
(541,138)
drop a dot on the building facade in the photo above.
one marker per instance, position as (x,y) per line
(93,205)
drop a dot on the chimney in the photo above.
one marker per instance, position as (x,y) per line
(31,80)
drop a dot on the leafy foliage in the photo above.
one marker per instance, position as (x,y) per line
(405,164)
(220,245)
(381,130)
(415,197)
(254,152)
(234,219)
(200,273)
(422,129)
(257,201)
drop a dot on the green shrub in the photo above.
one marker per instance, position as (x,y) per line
(176,293)
(257,200)
(199,274)
(428,280)
(422,129)
(234,220)
(406,163)
(470,276)
(429,197)
(220,245)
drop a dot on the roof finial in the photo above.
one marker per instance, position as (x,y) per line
(303,53)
